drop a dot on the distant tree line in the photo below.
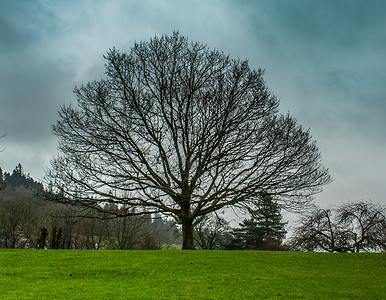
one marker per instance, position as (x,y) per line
(19,178)
(26,221)
(29,222)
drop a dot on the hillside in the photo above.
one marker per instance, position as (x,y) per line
(175,274)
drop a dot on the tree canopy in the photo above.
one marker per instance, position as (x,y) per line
(179,129)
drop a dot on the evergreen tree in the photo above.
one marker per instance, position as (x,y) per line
(247,237)
(56,238)
(18,178)
(264,230)
(42,239)
(18,171)
(270,223)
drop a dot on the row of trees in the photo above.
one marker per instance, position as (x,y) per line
(32,223)
(29,222)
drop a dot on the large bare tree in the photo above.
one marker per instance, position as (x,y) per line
(179,129)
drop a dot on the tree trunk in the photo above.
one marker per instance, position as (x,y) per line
(187,235)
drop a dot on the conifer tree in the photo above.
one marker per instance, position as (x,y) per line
(270,222)
(42,239)
(265,229)
(19,178)
(247,237)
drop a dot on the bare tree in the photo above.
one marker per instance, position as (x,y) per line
(16,220)
(128,231)
(209,231)
(354,227)
(367,224)
(179,129)
(319,231)
(93,229)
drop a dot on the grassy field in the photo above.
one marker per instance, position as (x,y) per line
(176,274)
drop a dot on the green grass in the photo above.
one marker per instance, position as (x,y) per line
(176,274)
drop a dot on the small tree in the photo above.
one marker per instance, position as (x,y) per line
(319,231)
(129,230)
(367,224)
(209,232)
(358,226)
(92,229)
(16,220)
(56,238)
(269,222)
(182,130)
(248,237)
(42,239)
(264,230)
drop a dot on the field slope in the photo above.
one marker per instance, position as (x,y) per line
(175,274)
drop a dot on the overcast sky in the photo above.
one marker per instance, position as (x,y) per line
(325,60)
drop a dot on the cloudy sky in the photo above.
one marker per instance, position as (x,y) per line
(325,60)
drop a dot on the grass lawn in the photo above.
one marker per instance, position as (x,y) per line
(176,274)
